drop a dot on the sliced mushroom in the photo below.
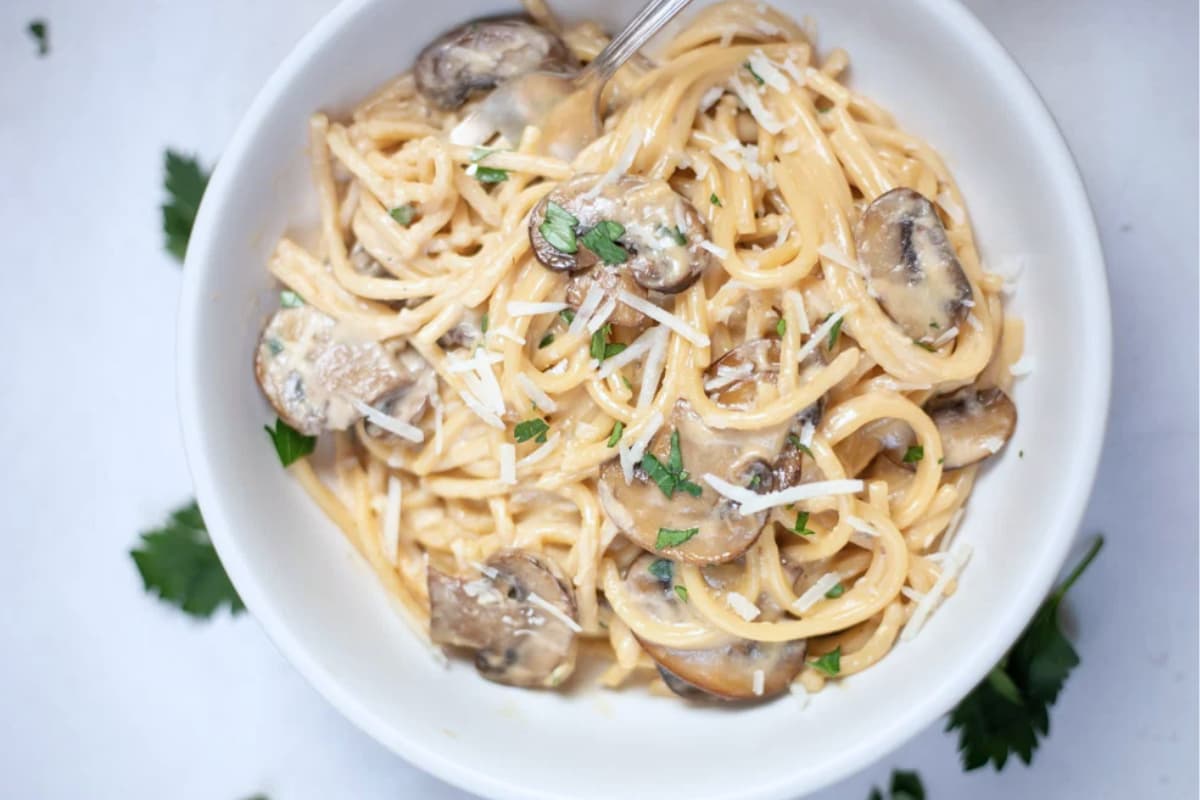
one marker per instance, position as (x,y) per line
(733,381)
(484,53)
(641,508)
(408,401)
(913,269)
(465,334)
(502,616)
(973,424)
(662,232)
(312,370)
(725,671)
(610,280)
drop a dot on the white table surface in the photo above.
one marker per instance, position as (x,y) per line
(105,693)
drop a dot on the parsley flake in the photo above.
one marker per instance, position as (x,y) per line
(546,341)
(924,345)
(673,537)
(905,786)
(801,526)
(404,214)
(179,563)
(39,29)
(663,569)
(289,299)
(837,591)
(681,592)
(673,233)
(488,174)
(531,429)
(835,332)
(781,327)
(602,240)
(757,78)
(830,663)
(914,454)
(618,430)
(185,181)
(290,444)
(716,201)
(559,230)
(568,314)
(483,323)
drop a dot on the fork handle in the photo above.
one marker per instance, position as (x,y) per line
(648,22)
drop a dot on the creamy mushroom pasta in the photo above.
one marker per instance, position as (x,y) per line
(702,405)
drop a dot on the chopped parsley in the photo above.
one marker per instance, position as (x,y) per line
(531,429)
(559,231)
(290,444)
(924,345)
(546,341)
(670,477)
(404,214)
(781,327)
(480,153)
(618,430)
(568,315)
(933,324)
(185,181)
(601,348)
(179,563)
(716,201)
(488,174)
(673,233)
(673,537)
(835,332)
(754,482)
(914,454)
(905,786)
(795,442)
(681,592)
(483,323)
(830,663)
(663,569)
(40,31)
(801,526)
(602,240)
(837,591)
(757,78)
(1010,709)
(289,299)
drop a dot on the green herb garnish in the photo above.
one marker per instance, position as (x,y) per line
(673,537)
(480,153)
(546,341)
(290,444)
(757,78)
(681,592)
(673,233)
(559,231)
(289,299)
(618,430)
(567,314)
(602,240)
(834,332)
(830,663)
(914,454)
(531,429)
(924,345)
(404,214)
(716,201)
(489,174)
(837,591)
(185,181)
(179,564)
(600,348)
(801,526)
(663,569)
(781,327)
(40,32)
(905,786)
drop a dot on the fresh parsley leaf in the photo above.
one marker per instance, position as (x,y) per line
(795,442)
(755,482)
(483,323)
(663,569)
(602,240)
(673,537)
(290,444)
(716,201)
(531,429)
(289,299)
(914,454)
(669,477)
(612,348)
(905,786)
(546,341)
(757,78)
(673,233)
(185,181)
(617,430)
(39,29)
(489,174)
(559,230)
(1009,710)
(480,153)
(628,384)
(404,214)
(662,476)
(597,347)
(837,591)
(924,345)
(801,526)
(675,458)
(681,592)
(684,485)
(830,663)
(834,332)
(781,327)
(568,314)
(179,564)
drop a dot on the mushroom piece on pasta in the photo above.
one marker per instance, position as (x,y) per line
(973,424)
(518,616)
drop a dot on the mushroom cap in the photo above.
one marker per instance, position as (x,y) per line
(663,232)
(310,370)
(408,401)
(913,269)
(641,509)
(724,671)
(973,424)
(482,54)
(736,378)
(516,641)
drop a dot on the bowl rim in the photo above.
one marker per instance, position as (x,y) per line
(1075,493)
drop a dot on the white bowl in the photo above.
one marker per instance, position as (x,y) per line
(946,79)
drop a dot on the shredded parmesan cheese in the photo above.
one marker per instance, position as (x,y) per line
(959,555)
(860,525)
(716,250)
(590,301)
(1021,367)
(751,503)
(535,394)
(601,316)
(653,370)
(389,423)
(743,607)
(765,69)
(759,682)
(816,592)
(821,333)
(554,611)
(635,351)
(796,301)
(508,463)
(800,693)
(480,410)
(758,109)
(833,253)
(520,308)
(631,455)
(665,317)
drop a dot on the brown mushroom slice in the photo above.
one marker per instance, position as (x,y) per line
(465,334)
(912,267)
(661,232)
(312,370)
(610,281)
(408,401)
(642,510)
(482,54)
(973,424)
(726,671)
(733,381)
(513,617)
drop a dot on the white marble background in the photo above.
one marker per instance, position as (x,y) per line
(105,693)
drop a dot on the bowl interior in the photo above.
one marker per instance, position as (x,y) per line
(946,80)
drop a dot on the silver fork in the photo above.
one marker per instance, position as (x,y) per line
(566,108)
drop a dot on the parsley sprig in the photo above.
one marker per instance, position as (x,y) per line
(531,429)
(905,786)
(290,444)
(39,29)
(179,563)
(670,477)
(1009,710)
(185,181)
